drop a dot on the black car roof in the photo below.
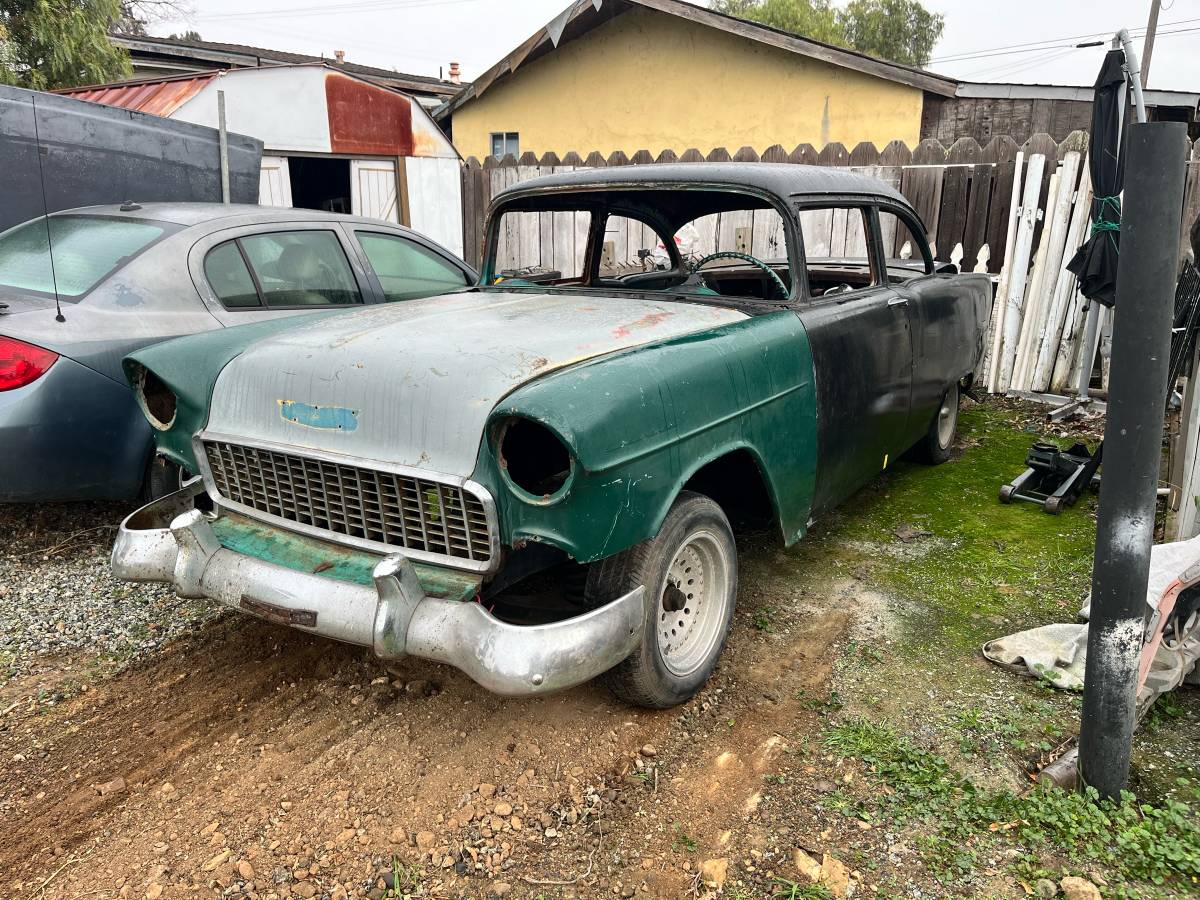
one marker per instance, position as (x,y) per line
(784,180)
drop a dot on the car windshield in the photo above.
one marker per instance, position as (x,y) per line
(86,250)
(704,243)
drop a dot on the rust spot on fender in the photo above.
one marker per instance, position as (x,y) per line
(647,321)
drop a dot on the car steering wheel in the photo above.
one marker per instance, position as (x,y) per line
(745,257)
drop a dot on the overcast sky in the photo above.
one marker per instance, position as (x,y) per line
(418,36)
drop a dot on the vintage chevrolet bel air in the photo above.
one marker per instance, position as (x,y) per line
(654,356)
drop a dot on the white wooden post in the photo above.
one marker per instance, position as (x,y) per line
(1018,271)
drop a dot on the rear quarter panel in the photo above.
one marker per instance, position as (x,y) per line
(951,313)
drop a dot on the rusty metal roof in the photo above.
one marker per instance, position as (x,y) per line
(161,97)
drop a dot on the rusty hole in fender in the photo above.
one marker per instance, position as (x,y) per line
(534,457)
(158,400)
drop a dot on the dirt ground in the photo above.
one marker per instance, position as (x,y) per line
(256,757)
(247,760)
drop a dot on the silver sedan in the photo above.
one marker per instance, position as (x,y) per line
(81,289)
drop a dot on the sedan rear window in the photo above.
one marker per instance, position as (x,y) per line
(87,249)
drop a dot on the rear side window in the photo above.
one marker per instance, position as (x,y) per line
(407,270)
(282,270)
(87,249)
(229,278)
(837,253)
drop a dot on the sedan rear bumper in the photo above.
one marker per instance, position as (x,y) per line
(172,541)
(72,434)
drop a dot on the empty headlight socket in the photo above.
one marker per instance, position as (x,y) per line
(158,401)
(535,461)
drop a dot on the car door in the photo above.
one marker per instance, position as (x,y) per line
(860,336)
(942,334)
(270,270)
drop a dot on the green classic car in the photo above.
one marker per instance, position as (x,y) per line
(537,479)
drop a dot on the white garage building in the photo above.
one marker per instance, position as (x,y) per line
(331,140)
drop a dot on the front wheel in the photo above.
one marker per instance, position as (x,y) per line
(934,448)
(689,570)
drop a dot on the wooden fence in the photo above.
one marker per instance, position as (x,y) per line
(962,192)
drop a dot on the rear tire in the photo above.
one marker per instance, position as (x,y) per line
(934,448)
(689,570)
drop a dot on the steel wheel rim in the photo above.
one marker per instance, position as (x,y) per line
(947,418)
(698,581)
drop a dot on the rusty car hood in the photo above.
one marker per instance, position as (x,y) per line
(413,383)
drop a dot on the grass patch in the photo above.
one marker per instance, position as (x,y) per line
(1137,845)
(985,559)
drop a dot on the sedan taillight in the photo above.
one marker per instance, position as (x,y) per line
(21,363)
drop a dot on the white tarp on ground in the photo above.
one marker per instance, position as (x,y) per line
(1058,653)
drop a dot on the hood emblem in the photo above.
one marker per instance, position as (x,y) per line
(327,418)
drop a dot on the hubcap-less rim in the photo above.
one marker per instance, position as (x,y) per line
(694,603)
(947,416)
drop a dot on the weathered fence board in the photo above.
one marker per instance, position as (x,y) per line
(962,193)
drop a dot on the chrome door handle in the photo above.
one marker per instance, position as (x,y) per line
(898,301)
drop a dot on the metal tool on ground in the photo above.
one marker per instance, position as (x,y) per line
(1054,478)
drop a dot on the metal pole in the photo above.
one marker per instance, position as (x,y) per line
(1132,449)
(1148,44)
(223,136)
(1133,73)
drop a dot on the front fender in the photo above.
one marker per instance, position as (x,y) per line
(642,422)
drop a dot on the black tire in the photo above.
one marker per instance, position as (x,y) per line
(934,448)
(162,477)
(695,537)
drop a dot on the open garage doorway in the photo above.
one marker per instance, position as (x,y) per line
(320,183)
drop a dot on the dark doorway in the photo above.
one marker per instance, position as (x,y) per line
(320,183)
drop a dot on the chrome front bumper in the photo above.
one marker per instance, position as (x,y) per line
(171,541)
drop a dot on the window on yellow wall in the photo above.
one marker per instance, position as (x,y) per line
(505,142)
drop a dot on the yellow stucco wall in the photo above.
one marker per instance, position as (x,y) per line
(647,80)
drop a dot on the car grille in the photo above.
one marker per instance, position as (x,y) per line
(415,514)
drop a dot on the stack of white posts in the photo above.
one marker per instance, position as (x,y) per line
(1037,330)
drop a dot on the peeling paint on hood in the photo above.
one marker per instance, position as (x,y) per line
(424,375)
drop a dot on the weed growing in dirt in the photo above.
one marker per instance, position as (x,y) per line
(763,619)
(1135,843)
(682,840)
(823,705)
(790,890)
(405,879)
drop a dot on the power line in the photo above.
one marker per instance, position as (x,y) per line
(1048,43)
(334,9)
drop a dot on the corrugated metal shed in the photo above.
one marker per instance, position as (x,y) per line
(160,97)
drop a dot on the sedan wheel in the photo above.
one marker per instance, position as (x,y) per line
(693,606)
(934,448)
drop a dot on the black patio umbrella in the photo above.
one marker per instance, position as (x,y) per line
(1095,263)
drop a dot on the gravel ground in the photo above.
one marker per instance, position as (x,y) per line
(57,594)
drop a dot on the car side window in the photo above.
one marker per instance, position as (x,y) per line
(286,269)
(837,250)
(629,245)
(229,278)
(904,253)
(407,270)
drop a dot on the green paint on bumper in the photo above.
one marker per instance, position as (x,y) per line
(304,554)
